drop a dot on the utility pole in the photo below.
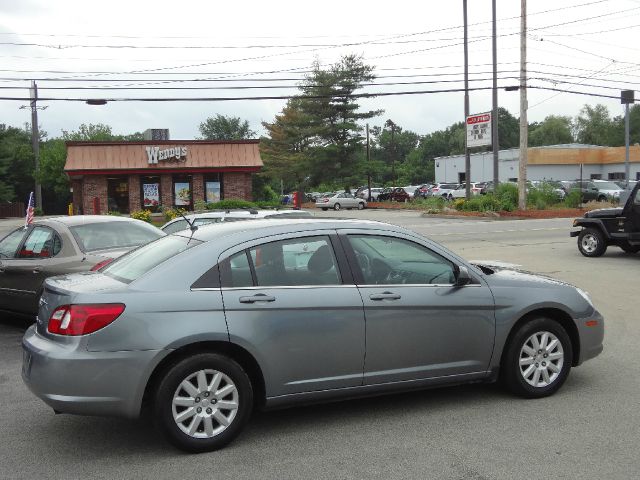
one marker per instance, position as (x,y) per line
(389,123)
(522,173)
(626,97)
(368,167)
(467,158)
(35,138)
(494,116)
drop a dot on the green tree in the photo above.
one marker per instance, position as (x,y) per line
(554,130)
(594,126)
(285,149)
(330,103)
(508,129)
(16,164)
(222,127)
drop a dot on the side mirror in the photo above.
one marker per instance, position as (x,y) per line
(462,276)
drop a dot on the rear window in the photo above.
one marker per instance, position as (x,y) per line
(105,235)
(138,262)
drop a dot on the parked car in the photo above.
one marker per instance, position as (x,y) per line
(54,246)
(341,200)
(594,190)
(401,194)
(606,227)
(443,189)
(623,184)
(364,193)
(198,328)
(461,191)
(424,190)
(204,218)
(385,194)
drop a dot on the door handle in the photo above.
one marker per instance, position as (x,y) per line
(37,270)
(385,296)
(260,297)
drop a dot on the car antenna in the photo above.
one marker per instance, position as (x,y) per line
(192,226)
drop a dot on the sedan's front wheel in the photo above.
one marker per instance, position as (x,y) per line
(336,206)
(203,402)
(537,359)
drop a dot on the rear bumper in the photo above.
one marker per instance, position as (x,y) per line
(71,379)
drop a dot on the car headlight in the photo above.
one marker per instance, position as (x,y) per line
(585,295)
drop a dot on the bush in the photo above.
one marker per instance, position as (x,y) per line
(572,200)
(431,204)
(199,205)
(38,212)
(507,195)
(482,203)
(269,204)
(171,213)
(144,215)
(542,197)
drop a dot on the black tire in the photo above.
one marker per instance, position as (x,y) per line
(361,206)
(591,242)
(602,198)
(171,385)
(336,207)
(324,209)
(627,248)
(516,377)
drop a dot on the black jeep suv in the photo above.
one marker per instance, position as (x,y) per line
(619,227)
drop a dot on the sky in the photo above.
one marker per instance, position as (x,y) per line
(212,50)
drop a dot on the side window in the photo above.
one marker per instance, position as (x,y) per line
(41,243)
(389,260)
(176,227)
(239,271)
(10,243)
(298,262)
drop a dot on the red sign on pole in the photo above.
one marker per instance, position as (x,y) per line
(479,130)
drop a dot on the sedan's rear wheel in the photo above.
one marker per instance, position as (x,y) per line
(360,205)
(203,402)
(591,242)
(336,206)
(538,358)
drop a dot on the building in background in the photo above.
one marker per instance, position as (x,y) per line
(556,162)
(128,176)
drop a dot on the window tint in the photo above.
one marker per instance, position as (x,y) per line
(389,260)
(97,236)
(9,244)
(176,226)
(42,242)
(138,262)
(298,262)
(239,271)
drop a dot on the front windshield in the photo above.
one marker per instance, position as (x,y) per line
(135,264)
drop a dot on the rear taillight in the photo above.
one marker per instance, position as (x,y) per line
(76,320)
(436,189)
(101,264)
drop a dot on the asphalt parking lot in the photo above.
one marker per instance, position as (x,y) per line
(589,430)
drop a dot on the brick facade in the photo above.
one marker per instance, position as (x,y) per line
(237,185)
(78,208)
(94,186)
(166,191)
(135,202)
(197,188)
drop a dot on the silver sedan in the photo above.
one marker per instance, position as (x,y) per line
(338,201)
(199,327)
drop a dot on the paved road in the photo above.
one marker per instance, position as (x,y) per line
(589,430)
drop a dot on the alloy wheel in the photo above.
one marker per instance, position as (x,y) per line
(541,359)
(205,404)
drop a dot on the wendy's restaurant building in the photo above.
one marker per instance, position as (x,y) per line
(125,177)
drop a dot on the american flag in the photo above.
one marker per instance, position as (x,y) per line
(29,218)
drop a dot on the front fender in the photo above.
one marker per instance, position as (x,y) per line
(589,223)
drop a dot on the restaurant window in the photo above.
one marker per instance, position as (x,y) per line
(212,188)
(118,195)
(182,192)
(150,191)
